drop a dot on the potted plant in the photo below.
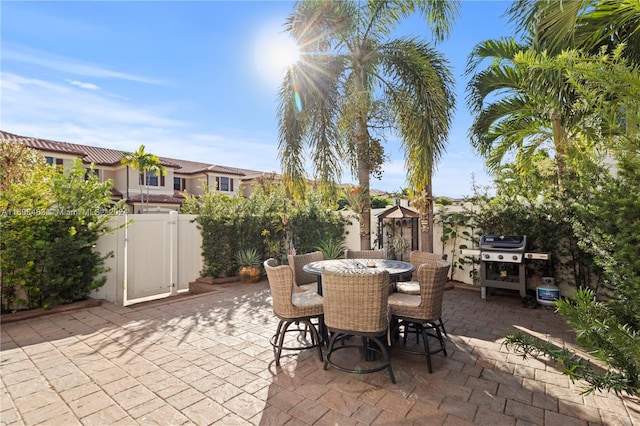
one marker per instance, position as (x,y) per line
(249,261)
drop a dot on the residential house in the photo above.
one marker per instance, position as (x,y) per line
(165,193)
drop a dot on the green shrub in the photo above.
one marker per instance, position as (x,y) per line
(50,224)
(266,222)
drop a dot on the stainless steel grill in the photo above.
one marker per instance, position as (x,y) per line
(502,262)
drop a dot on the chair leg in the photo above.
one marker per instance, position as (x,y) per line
(441,324)
(335,336)
(315,338)
(277,341)
(332,342)
(385,357)
(425,342)
(440,338)
(280,332)
(281,340)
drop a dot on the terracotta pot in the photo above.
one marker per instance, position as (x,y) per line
(249,274)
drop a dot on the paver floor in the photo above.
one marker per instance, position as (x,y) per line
(206,359)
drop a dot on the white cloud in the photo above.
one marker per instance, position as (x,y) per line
(68,65)
(82,85)
(66,112)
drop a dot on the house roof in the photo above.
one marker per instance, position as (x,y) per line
(192,167)
(111,157)
(42,144)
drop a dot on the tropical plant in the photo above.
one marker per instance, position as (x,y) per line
(249,260)
(248,257)
(602,207)
(378,202)
(456,233)
(16,163)
(587,25)
(50,224)
(146,164)
(310,222)
(517,120)
(607,323)
(353,83)
(331,248)
(266,222)
(398,246)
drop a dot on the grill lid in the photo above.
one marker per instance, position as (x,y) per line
(503,242)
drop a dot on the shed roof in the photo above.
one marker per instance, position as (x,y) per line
(398,212)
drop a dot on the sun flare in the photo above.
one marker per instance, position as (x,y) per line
(275,53)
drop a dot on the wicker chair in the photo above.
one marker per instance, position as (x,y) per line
(292,308)
(365,254)
(419,313)
(304,281)
(356,305)
(418,258)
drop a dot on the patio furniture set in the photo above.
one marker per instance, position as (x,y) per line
(361,307)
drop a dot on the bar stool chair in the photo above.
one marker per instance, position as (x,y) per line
(292,308)
(417,258)
(304,281)
(355,304)
(420,314)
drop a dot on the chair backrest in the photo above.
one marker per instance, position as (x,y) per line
(281,284)
(365,254)
(356,302)
(297,262)
(417,258)
(433,279)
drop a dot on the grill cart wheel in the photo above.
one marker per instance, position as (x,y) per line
(529,302)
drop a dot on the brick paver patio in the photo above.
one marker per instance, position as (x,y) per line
(206,359)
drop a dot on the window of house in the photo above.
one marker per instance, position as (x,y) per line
(95,172)
(179,184)
(51,161)
(224,184)
(152,178)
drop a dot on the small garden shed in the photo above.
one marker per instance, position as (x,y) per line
(398,231)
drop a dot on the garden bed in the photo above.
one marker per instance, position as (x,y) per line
(35,313)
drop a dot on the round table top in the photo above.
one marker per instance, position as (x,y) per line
(359,266)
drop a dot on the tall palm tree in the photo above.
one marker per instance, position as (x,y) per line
(580,24)
(144,163)
(353,84)
(522,101)
(522,105)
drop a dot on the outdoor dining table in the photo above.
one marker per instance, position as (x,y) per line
(395,268)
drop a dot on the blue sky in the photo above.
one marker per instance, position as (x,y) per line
(190,80)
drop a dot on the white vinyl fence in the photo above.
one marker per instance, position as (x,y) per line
(158,255)
(155,256)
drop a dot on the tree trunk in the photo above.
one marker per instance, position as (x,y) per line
(141,177)
(364,169)
(427,232)
(365,214)
(558,139)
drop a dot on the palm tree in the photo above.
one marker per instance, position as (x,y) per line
(145,163)
(524,103)
(353,84)
(588,25)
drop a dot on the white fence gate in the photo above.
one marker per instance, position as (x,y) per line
(154,256)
